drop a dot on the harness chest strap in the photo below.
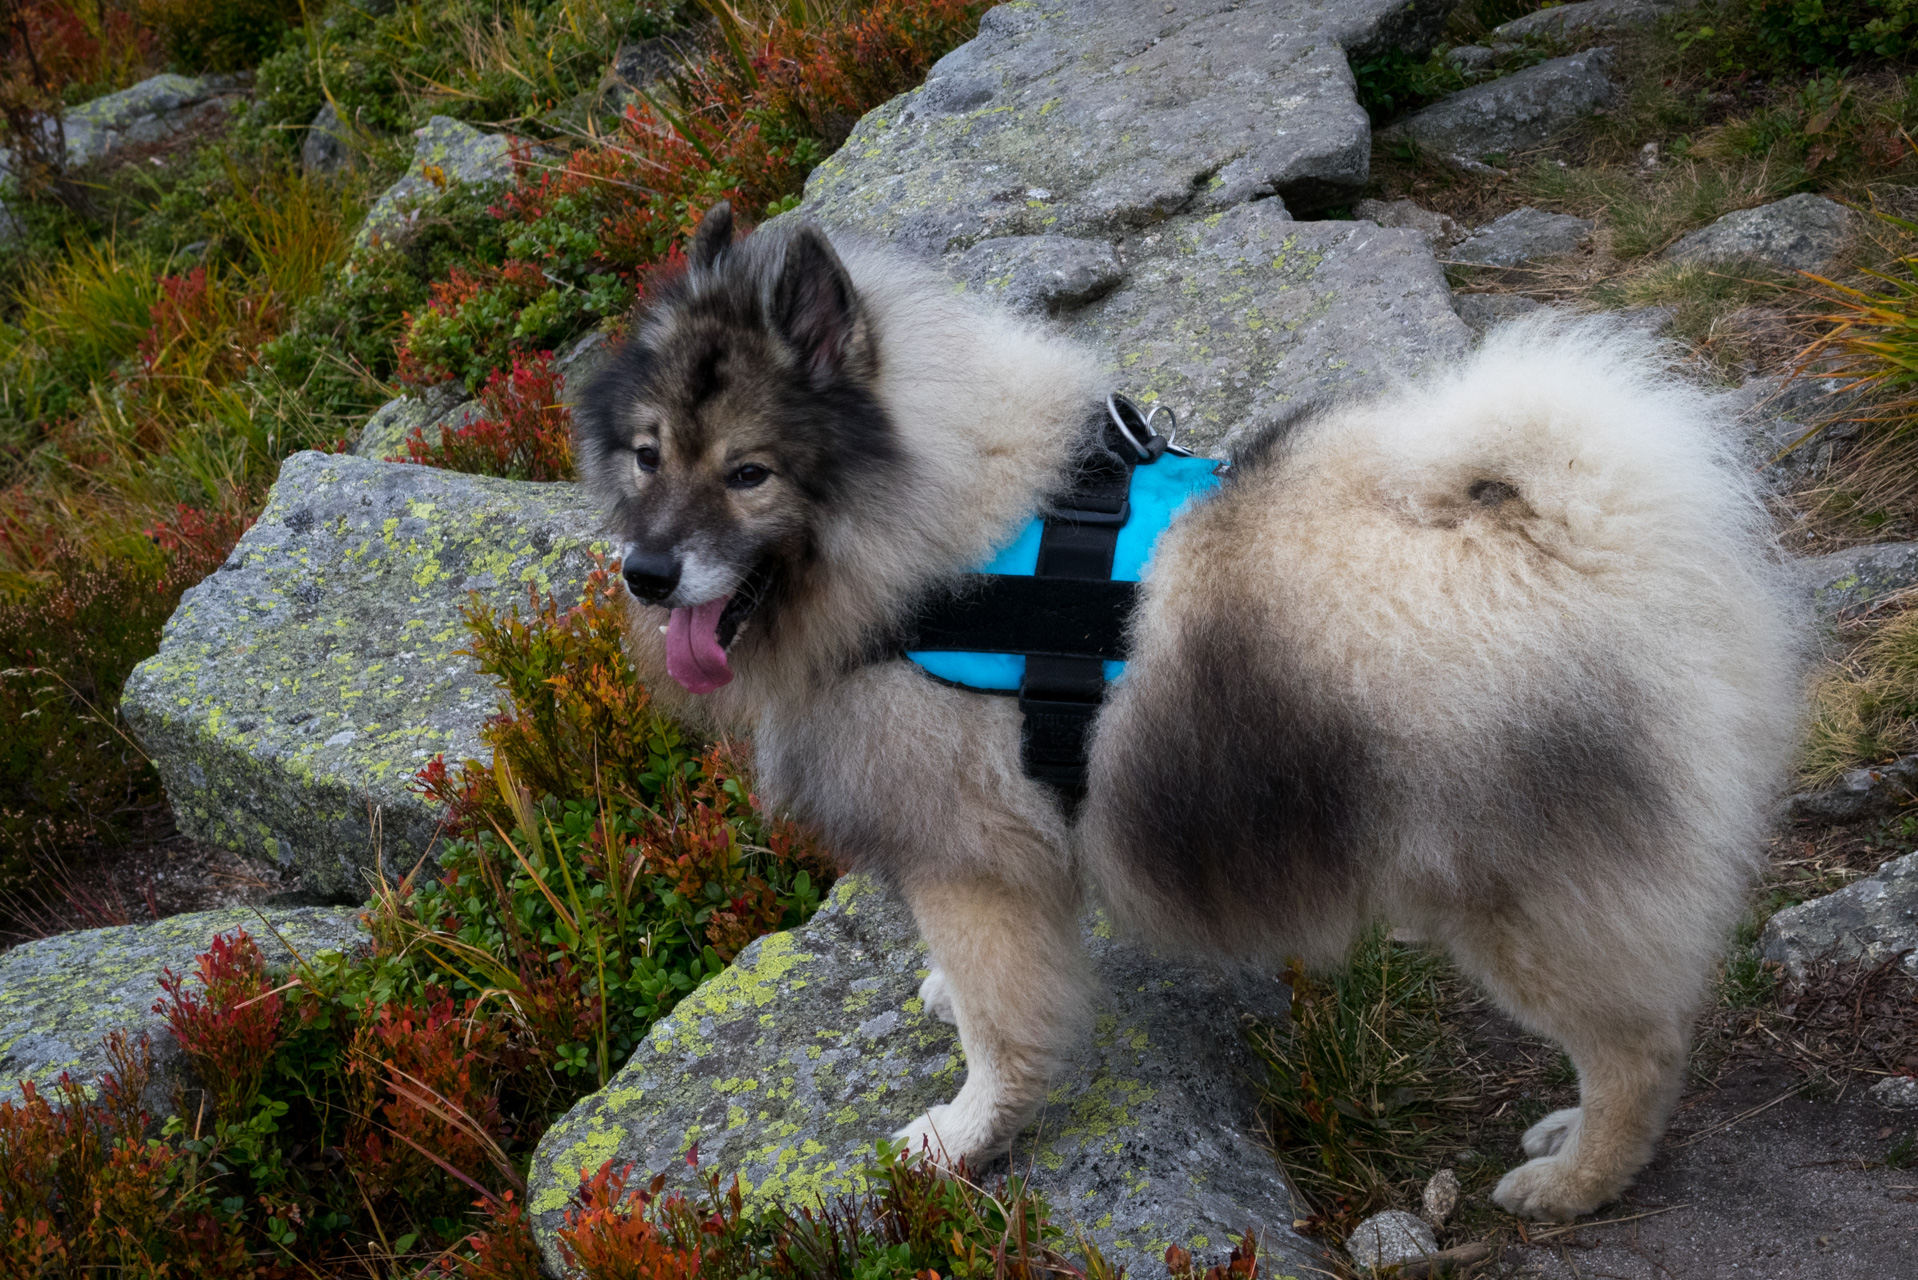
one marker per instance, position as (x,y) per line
(1066,617)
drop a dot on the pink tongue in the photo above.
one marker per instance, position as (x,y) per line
(693,653)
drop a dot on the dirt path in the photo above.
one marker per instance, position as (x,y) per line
(1799,1189)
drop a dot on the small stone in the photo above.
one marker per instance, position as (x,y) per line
(1799,233)
(325,149)
(1520,236)
(1440,230)
(814,1043)
(1899,1093)
(1390,1238)
(1875,791)
(60,996)
(1867,920)
(1562,21)
(1040,275)
(578,363)
(1648,156)
(1440,1198)
(1513,113)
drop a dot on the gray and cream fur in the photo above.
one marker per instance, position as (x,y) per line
(1502,657)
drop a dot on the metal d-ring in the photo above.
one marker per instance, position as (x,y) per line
(1118,420)
(1170,417)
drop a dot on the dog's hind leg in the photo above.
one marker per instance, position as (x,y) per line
(1017,983)
(1622,1009)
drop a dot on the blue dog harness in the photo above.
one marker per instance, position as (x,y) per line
(1046,617)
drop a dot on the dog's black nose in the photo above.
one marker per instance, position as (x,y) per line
(649,575)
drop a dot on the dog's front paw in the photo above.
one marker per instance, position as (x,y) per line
(936,994)
(1548,1135)
(1551,1189)
(932,1134)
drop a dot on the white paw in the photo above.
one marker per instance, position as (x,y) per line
(1551,1189)
(927,1136)
(1548,1136)
(936,994)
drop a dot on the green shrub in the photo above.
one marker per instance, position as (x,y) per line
(220,35)
(1833,33)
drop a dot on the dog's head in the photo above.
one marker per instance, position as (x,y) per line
(737,416)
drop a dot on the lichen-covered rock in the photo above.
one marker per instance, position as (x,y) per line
(1520,236)
(1389,1239)
(1246,318)
(1512,113)
(788,1066)
(1847,580)
(1040,275)
(60,996)
(1799,233)
(448,151)
(384,435)
(1566,20)
(303,683)
(150,111)
(1090,118)
(1869,920)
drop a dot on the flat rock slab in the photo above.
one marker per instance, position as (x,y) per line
(299,687)
(1245,319)
(1513,113)
(1561,22)
(1799,233)
(1872,792)
(1521,236)
(60,996)
(1092,118)
(788,1066)
(447,151)
(1870,920)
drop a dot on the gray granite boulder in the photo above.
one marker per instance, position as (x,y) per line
(788,1066)
(1439,230)
(1040,275)
(1089,118)
(1870,920)
(1563,21)
(299,687)
(1800,233)
(1513,113)
(1899,1093)
(1247,318)
(447,152)
(60,996)
(1520,236)
(153,110)
(327,146)
(1793,426)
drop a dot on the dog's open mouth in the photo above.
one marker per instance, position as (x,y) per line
(698,636)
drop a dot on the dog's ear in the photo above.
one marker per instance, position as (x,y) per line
(815,308)
(714,236)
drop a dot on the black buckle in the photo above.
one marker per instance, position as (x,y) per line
(1081,515)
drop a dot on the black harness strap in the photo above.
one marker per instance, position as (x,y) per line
(1068,620)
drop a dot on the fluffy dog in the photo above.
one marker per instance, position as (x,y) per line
(1502,658)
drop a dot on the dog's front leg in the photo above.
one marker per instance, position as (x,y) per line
(1017,981)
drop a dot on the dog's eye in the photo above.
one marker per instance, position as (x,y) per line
(648,457)
(750,476)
